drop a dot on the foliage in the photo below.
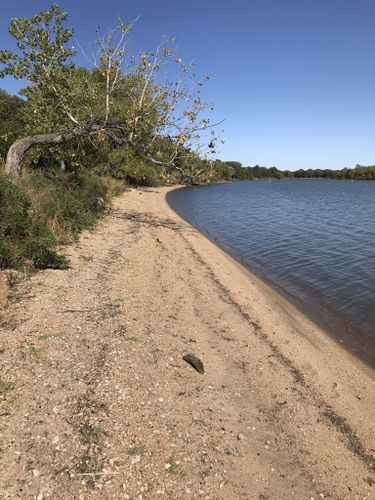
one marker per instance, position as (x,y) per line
(44,59)
(257,172)
(118,100)
(69,202)
(123,164)
(11,120)
(78,131)
(45,210)
(24,238)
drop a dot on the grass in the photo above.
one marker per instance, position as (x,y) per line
(3,290)
(69,202)
(6,386)
(172,467)
(24,238)
(136,450)
(53,335)
(92,433)
(45,210)
(36,353)
(110,310)
(29,467)
(13,278)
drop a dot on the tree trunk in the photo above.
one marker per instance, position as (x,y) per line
(19,148)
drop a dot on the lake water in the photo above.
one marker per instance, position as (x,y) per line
(314,240)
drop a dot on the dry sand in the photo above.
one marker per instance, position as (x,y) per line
(97,402)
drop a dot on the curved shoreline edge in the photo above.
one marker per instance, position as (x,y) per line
(355,342)
(98,400)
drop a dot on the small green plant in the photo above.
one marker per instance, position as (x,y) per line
(92,433)
(34,352)
(52,335)
(6,386)
(110,310)
(37,353)
(136,450)
(13,278)
(29,467)
(171,466)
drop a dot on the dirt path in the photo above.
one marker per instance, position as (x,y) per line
(97,402)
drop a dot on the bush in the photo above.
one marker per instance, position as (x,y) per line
(69,202)
(47,209)
(132,170)
(24,238)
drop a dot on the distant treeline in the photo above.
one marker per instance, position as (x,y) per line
(231,170)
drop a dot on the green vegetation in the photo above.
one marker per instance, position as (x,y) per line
(6,386)
(81,115)
(11,121)
(52,335)
(47,209)
(37,353)
(136,450)
(24,238)
(232,170)
(78,134)
(172,467)
(92,433)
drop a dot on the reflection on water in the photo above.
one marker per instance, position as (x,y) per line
(315,239)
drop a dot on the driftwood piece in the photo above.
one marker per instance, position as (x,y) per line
(195,362)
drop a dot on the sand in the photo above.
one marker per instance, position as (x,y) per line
(96,400)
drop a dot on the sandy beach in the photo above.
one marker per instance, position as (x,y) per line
(96,400)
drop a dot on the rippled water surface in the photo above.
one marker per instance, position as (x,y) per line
(314,239)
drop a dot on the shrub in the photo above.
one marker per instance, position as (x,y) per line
(132,170)
(47,209)
(69,202)
(24,238)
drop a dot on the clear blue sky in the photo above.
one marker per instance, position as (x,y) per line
(293,79)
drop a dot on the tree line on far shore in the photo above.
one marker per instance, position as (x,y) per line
(233,170)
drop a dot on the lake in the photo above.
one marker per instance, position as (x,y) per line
(313,240)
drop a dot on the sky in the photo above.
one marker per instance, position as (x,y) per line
(294,80)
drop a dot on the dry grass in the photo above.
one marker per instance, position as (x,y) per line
(47,209)
(4,289)
(59,227)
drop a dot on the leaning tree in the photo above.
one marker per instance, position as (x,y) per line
(150,103)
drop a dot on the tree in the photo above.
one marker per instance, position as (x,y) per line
(118,98)
(11,121)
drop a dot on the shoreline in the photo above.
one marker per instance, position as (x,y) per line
(99,403)
(354,341)
(278,295)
